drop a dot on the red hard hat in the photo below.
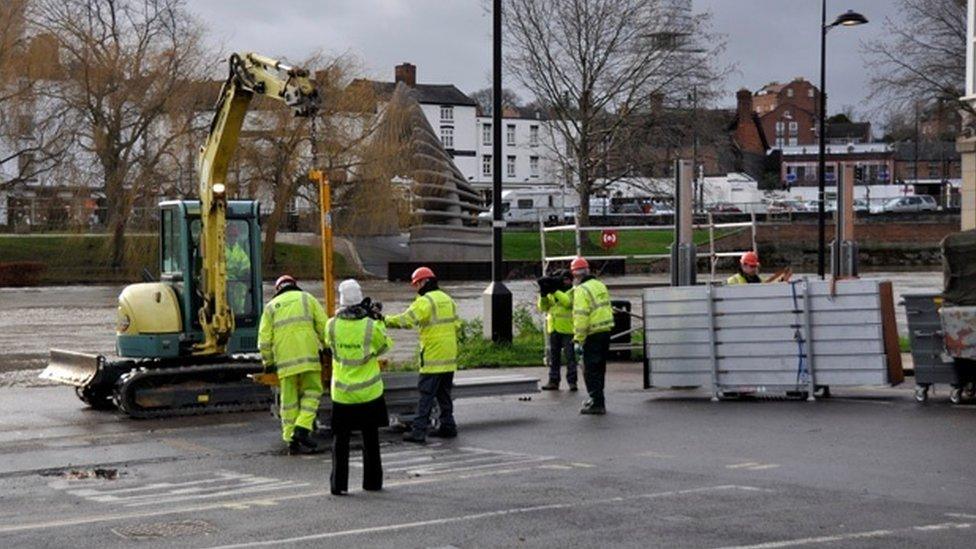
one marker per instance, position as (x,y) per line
(284,280)
(578,264)
(421,274)
(750,258)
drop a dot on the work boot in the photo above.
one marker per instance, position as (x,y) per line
(444,433)
(414,437)
(589,408)
(551,386)
(304,438)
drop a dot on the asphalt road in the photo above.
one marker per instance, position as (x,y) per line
(867,468)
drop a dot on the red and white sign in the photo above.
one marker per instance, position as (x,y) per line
(608,239)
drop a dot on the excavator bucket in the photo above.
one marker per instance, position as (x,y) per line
(72,368)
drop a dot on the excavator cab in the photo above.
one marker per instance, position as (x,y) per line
(159,319)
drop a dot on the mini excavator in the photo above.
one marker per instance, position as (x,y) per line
(187,343)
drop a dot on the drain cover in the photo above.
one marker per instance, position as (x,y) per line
(172,529)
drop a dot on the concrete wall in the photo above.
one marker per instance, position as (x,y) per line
(967,150)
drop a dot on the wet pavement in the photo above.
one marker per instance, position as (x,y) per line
(82,318)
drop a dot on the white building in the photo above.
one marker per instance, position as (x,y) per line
(529,140)
(966,145)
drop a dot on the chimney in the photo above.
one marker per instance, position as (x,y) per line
(743,98)
(406,73)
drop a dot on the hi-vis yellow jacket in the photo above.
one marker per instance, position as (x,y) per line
(592,313)
(355,344)
(291,333)
(435,313)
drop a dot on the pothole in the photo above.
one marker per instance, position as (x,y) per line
(172,529)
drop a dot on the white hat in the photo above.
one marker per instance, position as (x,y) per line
(350,293)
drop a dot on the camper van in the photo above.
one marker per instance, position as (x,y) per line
(525,206)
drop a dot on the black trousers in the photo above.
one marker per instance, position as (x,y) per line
(434,388)
(372,465)
(595,350)
(560,349)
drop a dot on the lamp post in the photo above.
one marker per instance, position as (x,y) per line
(849,19)
(497,299)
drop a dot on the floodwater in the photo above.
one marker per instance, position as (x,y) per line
(82,318)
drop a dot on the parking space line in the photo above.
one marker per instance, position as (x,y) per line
(853,536)
(481,516)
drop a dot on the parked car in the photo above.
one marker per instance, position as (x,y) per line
(631,208)
(861,205)
(785,206)
(915,203)
(724,207)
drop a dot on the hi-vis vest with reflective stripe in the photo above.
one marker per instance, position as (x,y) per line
(436,315)
(355,344)
(592,313)
(291,333)
(558,307)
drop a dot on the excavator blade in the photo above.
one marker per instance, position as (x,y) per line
(72,368)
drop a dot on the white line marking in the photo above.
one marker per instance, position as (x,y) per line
(478,516)
(240,491)
(742,465)
(461,460)
(851,536)
(764,467)
(556,467)
(109,517)
(432,470)
(583,465)
(961,515)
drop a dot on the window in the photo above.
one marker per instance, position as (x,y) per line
(238,252)
(780,127)
(486,165)
(793,142)
(447,113)
(510,166)
(524,204)
(780,142)
(533,136)
(534,166)
(794,127)
(510,134)
(486,134)
(789,92)
(171,244)
(447,136)
(25,162)
(809,92)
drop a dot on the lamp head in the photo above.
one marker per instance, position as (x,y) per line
(849,19)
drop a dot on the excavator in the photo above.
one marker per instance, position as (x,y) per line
(187,342)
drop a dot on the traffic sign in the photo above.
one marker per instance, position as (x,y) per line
(608,239)
(791,178)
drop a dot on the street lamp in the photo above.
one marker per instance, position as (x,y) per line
(848,19)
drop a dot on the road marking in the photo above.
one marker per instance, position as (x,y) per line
(109,517)
(961,515)
(217,484)
(484,515)
(450,460)
(753,466)
(658,455)
(852,536)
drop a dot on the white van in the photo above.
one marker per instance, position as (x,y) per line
(527,205)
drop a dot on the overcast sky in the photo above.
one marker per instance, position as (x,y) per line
(449,40)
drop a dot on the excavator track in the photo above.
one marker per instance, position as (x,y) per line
(146,393)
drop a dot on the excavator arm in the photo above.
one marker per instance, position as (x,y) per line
(250,75)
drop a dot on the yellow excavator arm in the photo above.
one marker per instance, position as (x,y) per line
(250,74)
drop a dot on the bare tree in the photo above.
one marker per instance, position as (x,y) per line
(127,68)
(594,63)
(922,57)
(483,98)
(277,150)
(32,143)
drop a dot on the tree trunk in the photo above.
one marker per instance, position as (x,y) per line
(283,195)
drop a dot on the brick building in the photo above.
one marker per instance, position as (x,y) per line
(788,112)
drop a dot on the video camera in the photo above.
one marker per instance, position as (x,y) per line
(551,283)
(374,309)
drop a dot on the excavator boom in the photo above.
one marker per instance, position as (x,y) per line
(249,75)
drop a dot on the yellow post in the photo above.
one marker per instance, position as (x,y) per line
(325,220)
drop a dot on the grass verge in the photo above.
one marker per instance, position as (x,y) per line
(526,246)
(74,259)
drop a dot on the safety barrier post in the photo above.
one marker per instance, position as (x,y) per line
(808,335)
(712,352)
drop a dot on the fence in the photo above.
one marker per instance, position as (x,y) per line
(712,254)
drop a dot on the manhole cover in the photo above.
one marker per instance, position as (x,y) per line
(172,529)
